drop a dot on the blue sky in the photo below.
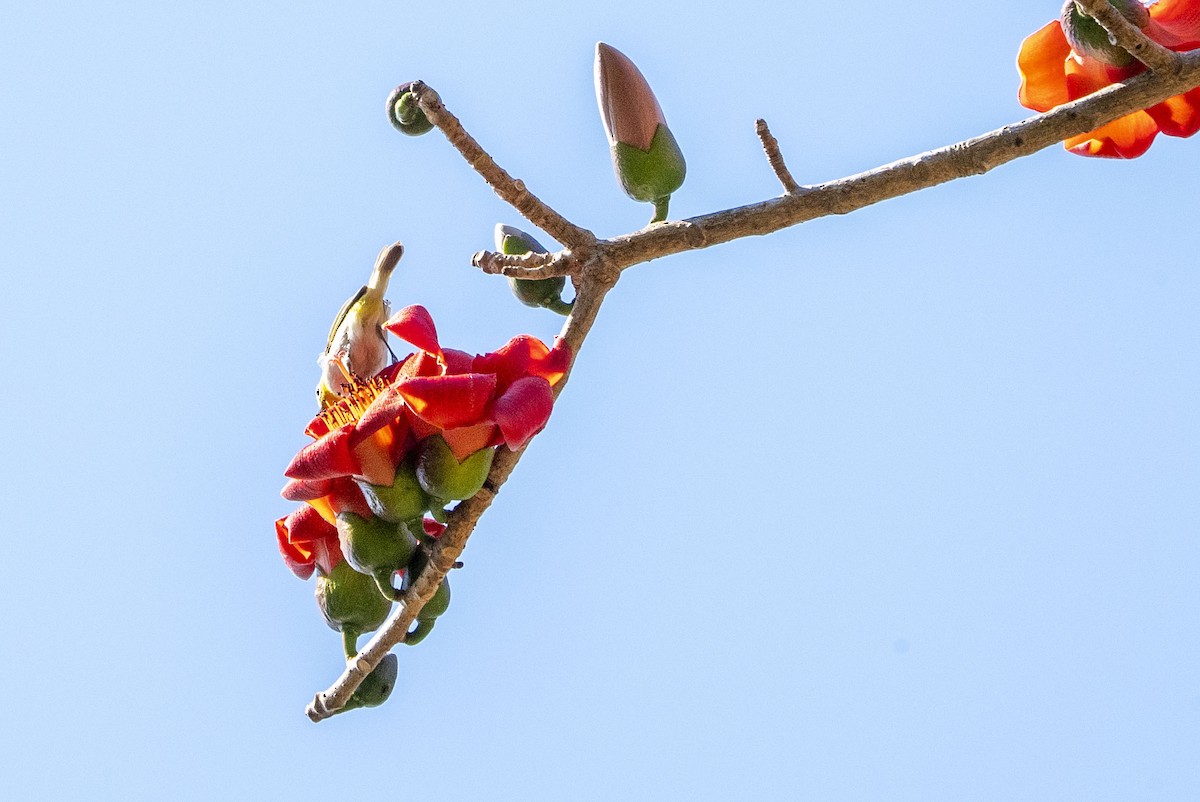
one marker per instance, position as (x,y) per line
(896,505)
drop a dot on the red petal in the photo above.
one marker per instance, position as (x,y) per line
(418,428)
(1125,138)
(304,540)
(1179,115)
(1178,23)
(557,362)
(344,496)
(305,489)
(466,440)
(306,525)
(413,324)
(299,561)
(449,401)
(386,409)
(418,364)
(524,355)
(1041,65)
(456,361)
(327,553)
(523,410)
(317,428)
(327,458)
(375,458)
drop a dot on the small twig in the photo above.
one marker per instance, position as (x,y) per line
(770,146)
(511,190)
(528,265)
(1130,38)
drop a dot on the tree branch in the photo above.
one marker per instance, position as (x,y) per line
(529,265)
(770,146)
(596,267)
(1130,38)
(511,190)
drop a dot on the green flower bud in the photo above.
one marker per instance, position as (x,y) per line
(1088,37)
(541,292)
(402,500)
(351,604)
(444,477)
(433,608)
(404,113)
(375,547)
(376,687)
(646,157)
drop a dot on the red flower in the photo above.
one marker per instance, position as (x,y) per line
(307,541)
(1056,70)
(473,402)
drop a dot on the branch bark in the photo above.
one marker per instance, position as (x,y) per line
(1130,38)
(596,266)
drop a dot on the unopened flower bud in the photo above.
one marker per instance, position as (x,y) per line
(404,113)
(445,478)
(540,292)
(376,687)
(645,155)
(351,603)
(375,547)
(402,500)
(433,608)
(1089,38)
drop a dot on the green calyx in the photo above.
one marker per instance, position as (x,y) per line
(651,175)
(402,500)
(404,113)
(351,602)
(1088,37)
(375,547)
(376,687)
(444,477)
(433,608)
(545,293)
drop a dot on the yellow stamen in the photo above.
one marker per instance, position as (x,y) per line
(355,399)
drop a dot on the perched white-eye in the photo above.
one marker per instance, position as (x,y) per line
(357,346)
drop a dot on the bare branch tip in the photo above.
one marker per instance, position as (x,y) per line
(770,146)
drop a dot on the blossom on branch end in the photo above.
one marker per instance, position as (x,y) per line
(1072,57)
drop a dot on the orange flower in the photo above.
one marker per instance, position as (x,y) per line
(1057,67)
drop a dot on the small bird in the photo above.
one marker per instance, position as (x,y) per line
(357,347)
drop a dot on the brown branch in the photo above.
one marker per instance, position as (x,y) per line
(597,266)
(529,265)
(511,190)
(971,157)
(770,146)
(1130,38)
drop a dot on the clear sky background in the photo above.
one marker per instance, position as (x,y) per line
(899,505)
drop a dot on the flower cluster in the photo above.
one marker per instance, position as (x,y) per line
(1072,57)
(397,447)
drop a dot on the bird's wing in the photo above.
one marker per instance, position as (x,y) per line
(341,316)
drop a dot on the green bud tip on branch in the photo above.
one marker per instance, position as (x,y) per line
(404,113)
